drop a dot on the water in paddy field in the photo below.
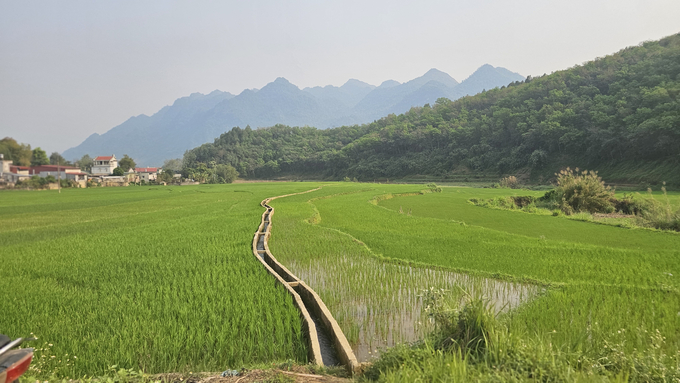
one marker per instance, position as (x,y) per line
(379,304)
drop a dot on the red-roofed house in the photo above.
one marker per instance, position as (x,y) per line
(104,165)
(147,174)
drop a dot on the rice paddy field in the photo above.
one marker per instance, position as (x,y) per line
(158,279)
(163,278)
(584,285)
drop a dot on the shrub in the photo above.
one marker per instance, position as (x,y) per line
(509,182)
(658,214)
(582,192)
(434,188)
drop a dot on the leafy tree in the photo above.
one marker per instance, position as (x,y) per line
(174,164)
(118,171)
(57,159)
(19,154)
(166,176)
(127,163)
(39,157)
(226,173)
(85,163)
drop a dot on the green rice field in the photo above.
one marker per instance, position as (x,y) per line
(163,279)
(597,281)
(159,279)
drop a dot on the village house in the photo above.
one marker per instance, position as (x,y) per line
(11,174)
(147,174)
(104,165)
(60,172)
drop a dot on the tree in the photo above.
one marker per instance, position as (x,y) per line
(39,157)
(174,164)
(118,171)
(57,159)
(19,154)
(85,163)
(127,163)
(167,176)
(226,173)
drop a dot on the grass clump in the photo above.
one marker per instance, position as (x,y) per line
(582,192)
(659,214)
(510,182)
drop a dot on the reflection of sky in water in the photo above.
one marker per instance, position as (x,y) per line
(379,305)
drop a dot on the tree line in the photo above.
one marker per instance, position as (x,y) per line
(618,112)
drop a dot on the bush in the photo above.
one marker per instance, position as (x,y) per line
(582,192)
(434,188)
(509,182)
(657,214)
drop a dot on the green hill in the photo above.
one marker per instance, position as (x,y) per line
(619,114)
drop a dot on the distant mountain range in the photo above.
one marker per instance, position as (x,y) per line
(197,119)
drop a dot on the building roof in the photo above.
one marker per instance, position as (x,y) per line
(15,168)
(52,168)
(146,170)
(104,158)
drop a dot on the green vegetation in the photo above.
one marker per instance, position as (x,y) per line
(581,196)
(118,171)
(376,303)
(211,173)
(166,275)
(19,154)
(39,157)
(126,163)
(610,308)
(619,114)
(153,279)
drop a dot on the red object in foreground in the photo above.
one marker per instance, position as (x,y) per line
(17,368)
(13,363)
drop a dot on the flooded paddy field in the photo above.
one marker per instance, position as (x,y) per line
(379,304)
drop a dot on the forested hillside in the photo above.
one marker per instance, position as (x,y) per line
(619,114)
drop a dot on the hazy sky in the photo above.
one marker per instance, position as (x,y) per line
(72,68)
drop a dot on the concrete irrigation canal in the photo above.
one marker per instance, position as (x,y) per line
(327,343)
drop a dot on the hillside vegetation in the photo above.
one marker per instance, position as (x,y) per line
(619,114)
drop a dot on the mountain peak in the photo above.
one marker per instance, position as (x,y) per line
(436,75)
(488,70)
(281,80)
(354,83)
(280,84)
(389,84)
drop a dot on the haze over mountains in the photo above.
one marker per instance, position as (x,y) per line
(197,119)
